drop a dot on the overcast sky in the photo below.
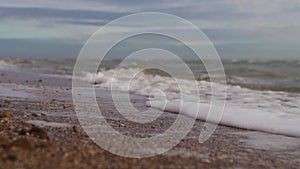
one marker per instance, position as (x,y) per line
(237,28)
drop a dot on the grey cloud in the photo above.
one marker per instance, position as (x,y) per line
(81,16)
(41,13)
(229,24)
(84,22)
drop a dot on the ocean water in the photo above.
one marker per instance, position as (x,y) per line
(266,84)
(272,86)
(268,90)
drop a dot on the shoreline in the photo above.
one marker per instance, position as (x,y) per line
(42,130)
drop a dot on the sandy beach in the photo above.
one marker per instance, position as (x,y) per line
(149,84)
(39,129)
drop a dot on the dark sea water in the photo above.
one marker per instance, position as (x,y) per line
(273,75)
(265,75)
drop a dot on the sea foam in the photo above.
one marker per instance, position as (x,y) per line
(269,111)
(254,119)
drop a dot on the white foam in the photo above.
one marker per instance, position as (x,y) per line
(269,111)
(143,84)
(156,85)
(254,119)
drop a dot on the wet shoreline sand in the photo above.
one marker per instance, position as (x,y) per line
(41,131)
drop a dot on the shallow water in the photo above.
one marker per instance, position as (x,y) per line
(259,140)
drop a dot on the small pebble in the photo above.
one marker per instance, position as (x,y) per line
(7,115)
(38,132)
(35,115)
(11,157)
(77,129)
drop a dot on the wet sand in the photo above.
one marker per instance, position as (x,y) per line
(39,129)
